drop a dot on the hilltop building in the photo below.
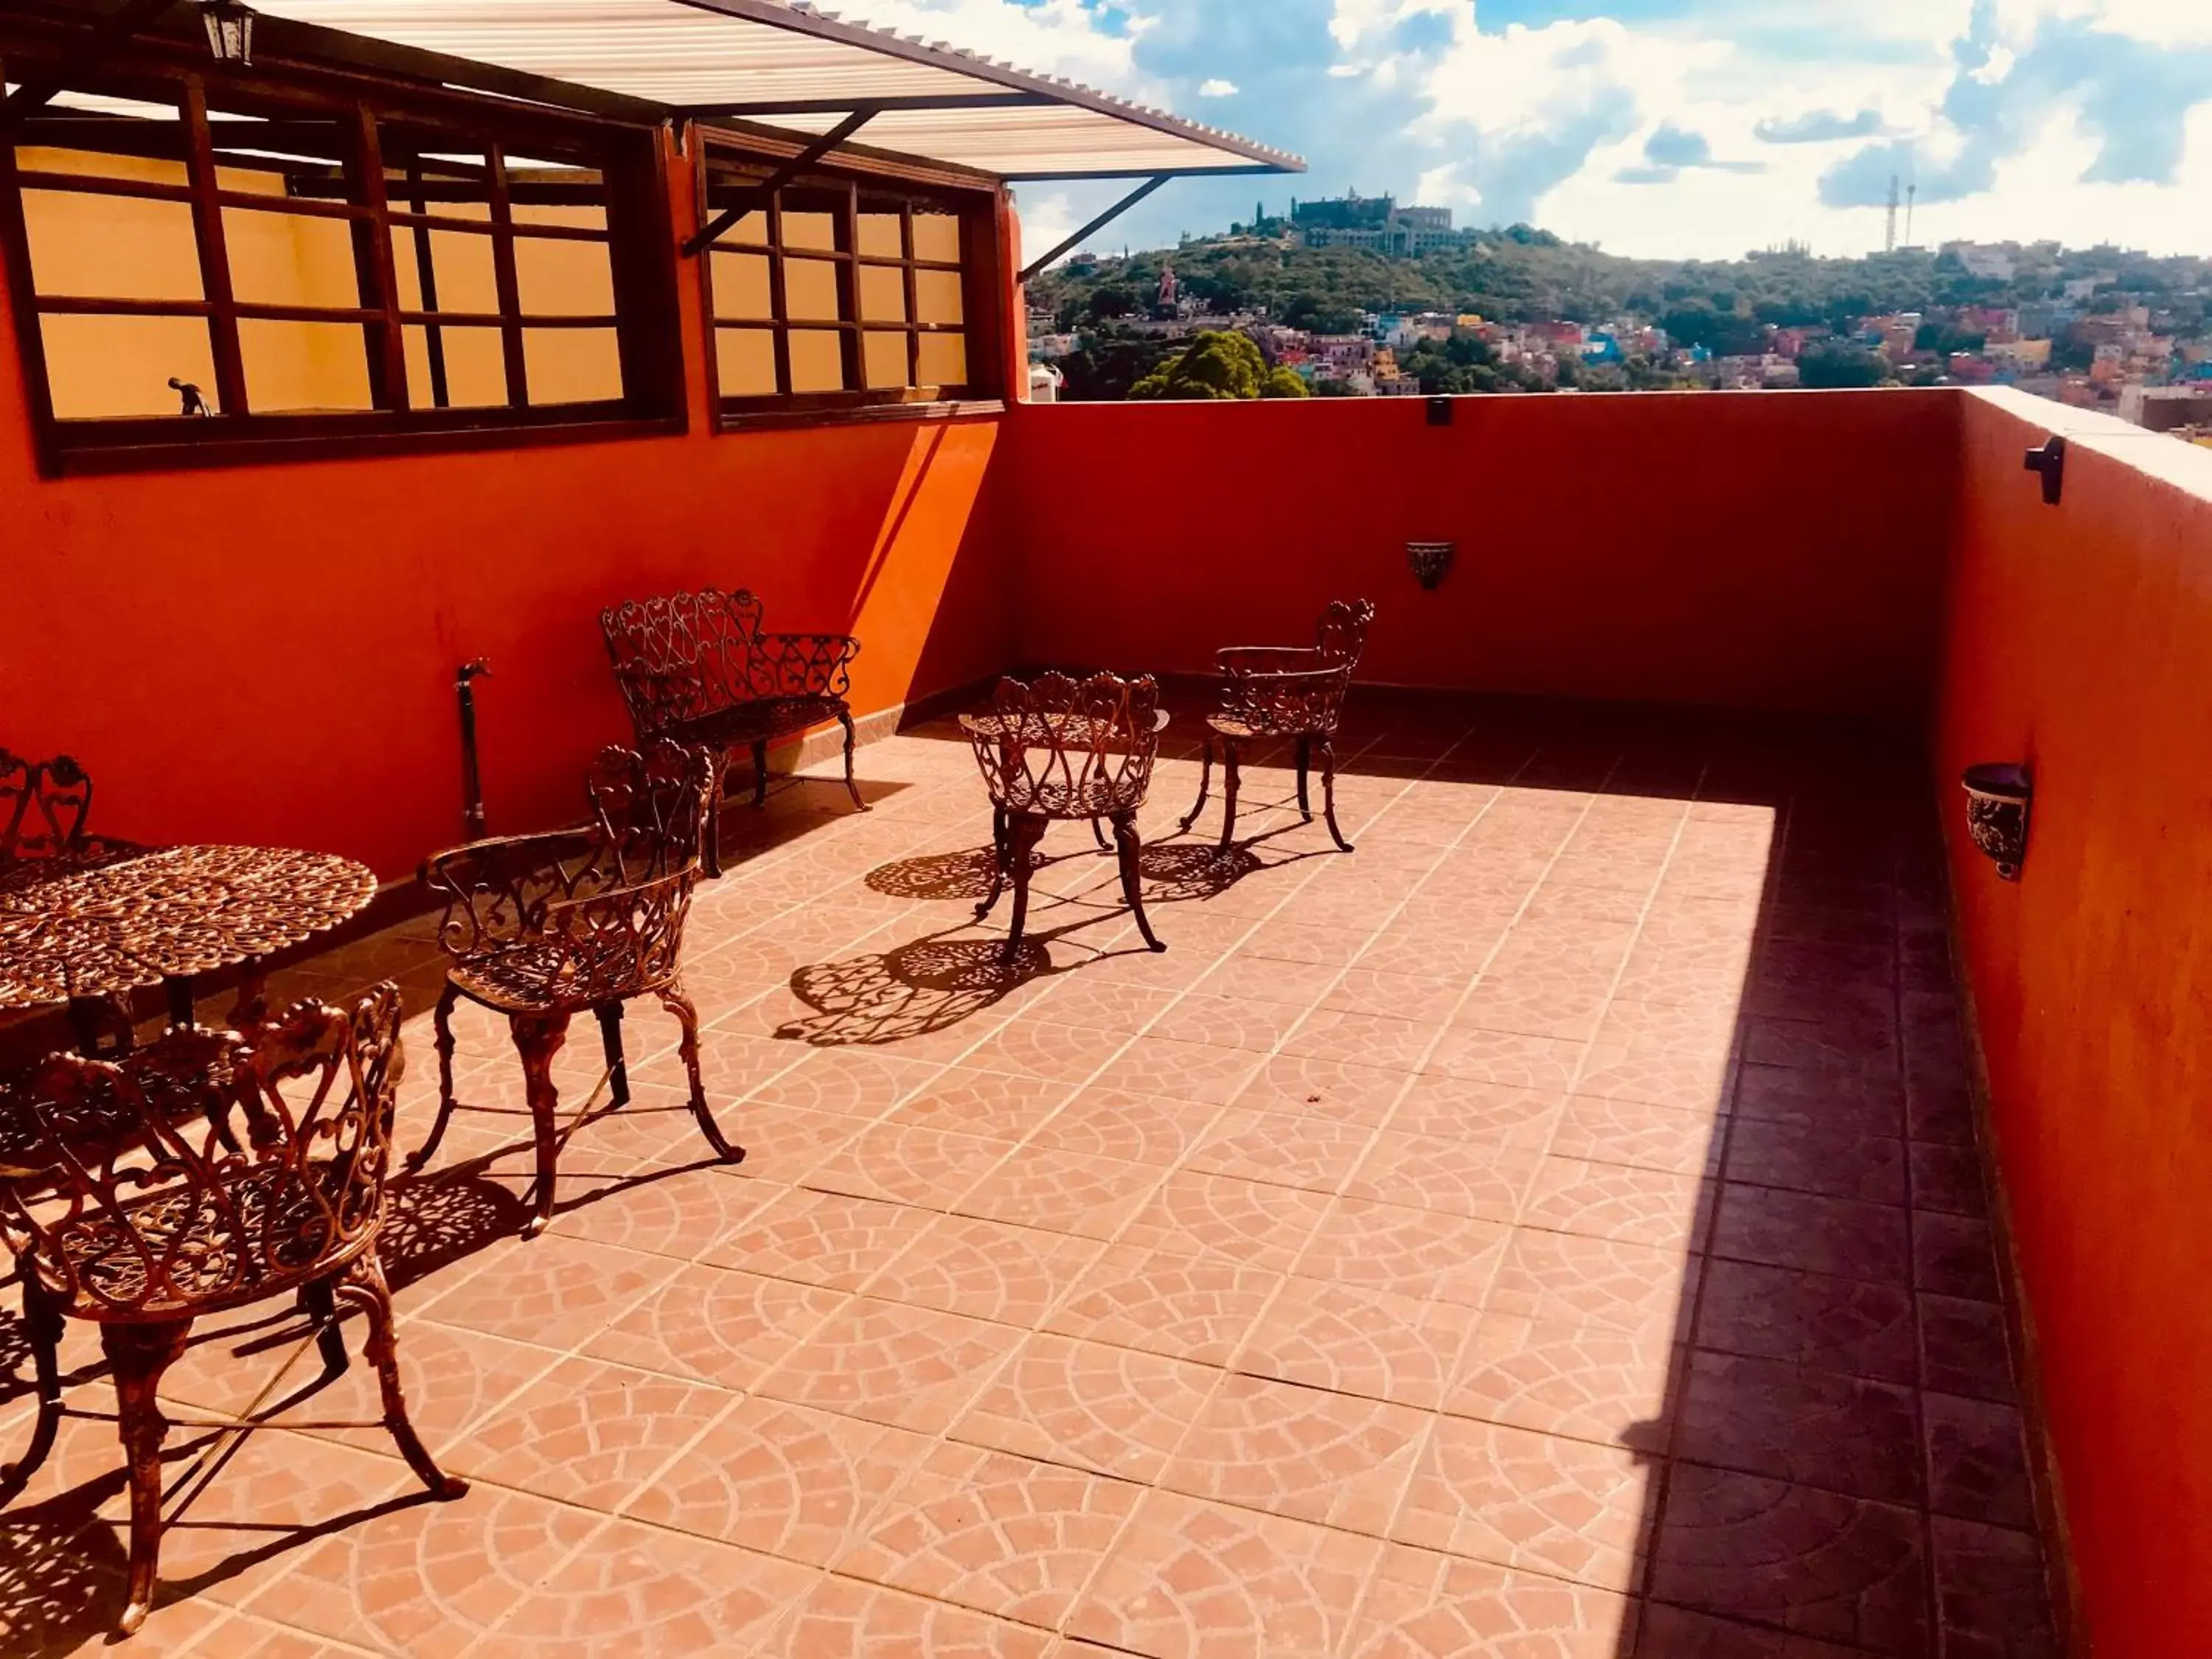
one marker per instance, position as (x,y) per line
(1377,223)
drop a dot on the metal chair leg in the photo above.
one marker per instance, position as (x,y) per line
(138,1355)
(442,1021)
(1098,835)
(42,1333)
(759,773)
(1022,833)
(1328,793)
(539,1037)
(1305,765)
(318,1302)
(852,786)
(1125,837)
(610,1015)
(1000,856)
(1205,779)
(1230,780)
(710,831)
(363,1284)
(673,999)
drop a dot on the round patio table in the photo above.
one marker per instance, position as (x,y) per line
(88,932)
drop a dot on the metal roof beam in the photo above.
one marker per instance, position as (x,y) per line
(939,100)
(38,87)
(758,195)
(1099,223)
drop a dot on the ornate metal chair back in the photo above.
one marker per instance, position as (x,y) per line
(129,1191)
(43,807)
(1062,747)
(680,656)
(1341,633)
(650,810)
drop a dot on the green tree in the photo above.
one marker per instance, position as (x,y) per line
(1836,363)
(1285,383)
(1216,365)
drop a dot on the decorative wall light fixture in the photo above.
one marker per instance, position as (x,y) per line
(1997,798)
(1430,561)
(230,30)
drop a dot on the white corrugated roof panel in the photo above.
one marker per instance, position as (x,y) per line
(793,67)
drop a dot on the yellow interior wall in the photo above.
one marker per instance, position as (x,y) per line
(121,247)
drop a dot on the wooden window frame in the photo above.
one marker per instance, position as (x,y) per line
(851,190)
(639,234)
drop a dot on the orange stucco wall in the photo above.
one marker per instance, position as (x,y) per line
(266,653)
(1782,550)
(2080,641)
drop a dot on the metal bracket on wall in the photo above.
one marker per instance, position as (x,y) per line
(756,195)
(2049,459)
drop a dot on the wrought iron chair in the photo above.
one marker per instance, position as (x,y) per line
(1295,692)
(42,808)
(1064,750)
(543,928)
(697,668)
(127,1206)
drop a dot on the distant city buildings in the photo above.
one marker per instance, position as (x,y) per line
(1377,223)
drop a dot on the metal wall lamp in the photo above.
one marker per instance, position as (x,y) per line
(1998,795)
(1430,561)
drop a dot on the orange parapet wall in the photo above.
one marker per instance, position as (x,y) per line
(1780,550)
(2080,641)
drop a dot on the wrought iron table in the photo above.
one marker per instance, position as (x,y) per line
(88,932)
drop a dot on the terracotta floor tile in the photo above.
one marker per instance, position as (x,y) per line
(992,1531)
(1839,1236)
(1429,1605)
(1358,1341)
(1270,979)
(1954,1256)
(1991,1592)
(1841,1325)
(1100,1004)
(551,1291)
(827,1239)
(910,1163)
(1947,1178)
(1198,1580)
(1507,1058)
(1378,1040)
(1940,1113)
(660,1210)
(1187,1307)
(450,1378)
(1764,1417)
(1813,1562)
(1812,1160)
(1339,1459)
(1843,1105)
(987,1270)
(1324,1088)
(1425,999)
(783,1480)
(1135,1129)
(913,1368)
(424,1580)
(1611,1201)
(1257,1222)
(1425,1254)
(1704,1027)
(1691,1081)
(1643,1137)
(1964,1349)
(1977,1461)
(1845,1046)
(1575,1279)
(1063,1192)
(1584,1382)
(785,1144)
(588,1432)
(1668,1631)
(1434,1173)
(1197,1072)
(1285,1148)
(1117,1411)
(637,1592)
(854,1621)
(717,1325)
(1535,1501)
(1041,1049)
(1448,1107)
(1226,1022)
(965,1100)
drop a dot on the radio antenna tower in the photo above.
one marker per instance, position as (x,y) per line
(1889,230)
(1911,191)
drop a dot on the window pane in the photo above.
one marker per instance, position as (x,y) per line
(745,362)
(751,231)
(879,236)
(113,247)
(290,259)
(304,367)
(884,355)
(39,158)
(476,367)
(120,366)
(583,215)
(882,293)
(817,231)
(741,285)
(944,360)
(937,238)
(937,297)
(467,281)
(573,365)
(556,278)
(810,290)
(818,360)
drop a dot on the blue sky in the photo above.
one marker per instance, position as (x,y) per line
(1655,127)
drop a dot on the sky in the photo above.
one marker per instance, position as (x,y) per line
(1656,128)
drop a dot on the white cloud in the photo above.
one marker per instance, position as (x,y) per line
(1217,88)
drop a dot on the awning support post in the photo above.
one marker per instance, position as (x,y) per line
(1106,218)
(758,196)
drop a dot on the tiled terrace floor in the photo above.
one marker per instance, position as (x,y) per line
(1554,1229)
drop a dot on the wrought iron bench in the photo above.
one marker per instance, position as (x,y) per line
(698,669)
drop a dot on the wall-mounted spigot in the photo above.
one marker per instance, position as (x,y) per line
(2049,458)
(472,806)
